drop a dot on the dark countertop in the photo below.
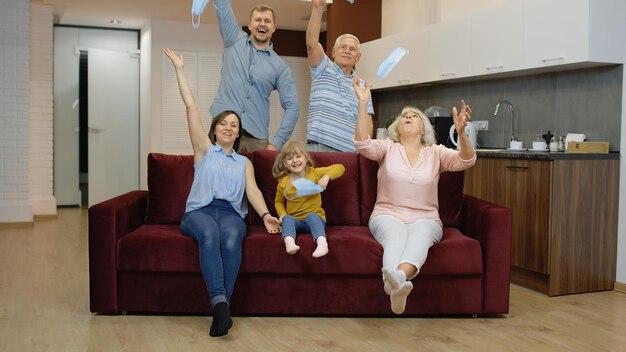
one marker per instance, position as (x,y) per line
(530,155)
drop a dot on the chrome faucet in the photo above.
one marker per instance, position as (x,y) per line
(495,113)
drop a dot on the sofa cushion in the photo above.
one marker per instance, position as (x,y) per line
(169,182)
(157,248)
(455,254)
(162,248)
(341,199)
(352,251)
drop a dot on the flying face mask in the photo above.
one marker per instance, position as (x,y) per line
(197,7)
(303,187)
(390,62)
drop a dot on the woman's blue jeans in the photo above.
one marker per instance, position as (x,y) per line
(219,231)
(314,224)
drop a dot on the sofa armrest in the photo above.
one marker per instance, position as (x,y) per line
(108,222)
(490,224)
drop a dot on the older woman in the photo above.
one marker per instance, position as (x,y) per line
(216,206)
(405,219)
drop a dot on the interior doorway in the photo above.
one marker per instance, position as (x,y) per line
(96,77)
(83,128)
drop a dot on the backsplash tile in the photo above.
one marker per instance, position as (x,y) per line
(578,101)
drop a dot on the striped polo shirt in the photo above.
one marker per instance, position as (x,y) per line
(333,107)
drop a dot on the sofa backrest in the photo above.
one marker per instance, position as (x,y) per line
(348,201)
(341,200)
(451,198)
(169,182)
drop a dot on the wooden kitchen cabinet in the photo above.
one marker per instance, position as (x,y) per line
(564,236)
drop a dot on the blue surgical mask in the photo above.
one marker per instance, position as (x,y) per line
(304,187)
(196,9)
(390,62)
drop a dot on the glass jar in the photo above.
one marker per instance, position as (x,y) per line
(561,143)
(554,146)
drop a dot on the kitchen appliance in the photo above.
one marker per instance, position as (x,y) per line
(441,119)
(471,130)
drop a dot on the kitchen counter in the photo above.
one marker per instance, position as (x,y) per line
(532,155)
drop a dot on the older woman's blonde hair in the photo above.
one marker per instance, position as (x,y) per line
(279,170)
(429,131)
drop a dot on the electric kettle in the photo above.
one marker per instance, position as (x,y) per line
(471,130)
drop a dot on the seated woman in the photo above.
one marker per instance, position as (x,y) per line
(405,219)
(216,206)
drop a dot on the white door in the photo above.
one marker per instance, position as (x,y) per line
(113,124)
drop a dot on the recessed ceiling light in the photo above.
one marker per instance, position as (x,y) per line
(115,21)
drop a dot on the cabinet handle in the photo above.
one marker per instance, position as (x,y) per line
(448,74)
(552,59)
(401,81)
(493,68)
(517,167)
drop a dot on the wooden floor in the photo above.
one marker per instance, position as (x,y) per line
(44,306)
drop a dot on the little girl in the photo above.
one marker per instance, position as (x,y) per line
(299,209)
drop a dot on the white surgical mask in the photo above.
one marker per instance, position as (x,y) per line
(196,10)
(304,187)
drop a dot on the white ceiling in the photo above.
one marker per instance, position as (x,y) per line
(290,14)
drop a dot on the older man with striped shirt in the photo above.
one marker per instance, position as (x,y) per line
(333,104)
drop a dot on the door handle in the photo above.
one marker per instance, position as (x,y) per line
(95,129)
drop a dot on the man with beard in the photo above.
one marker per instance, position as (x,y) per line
(251,70)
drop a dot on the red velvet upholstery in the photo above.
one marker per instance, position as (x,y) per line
(169,182)
(140,262)
(451,198)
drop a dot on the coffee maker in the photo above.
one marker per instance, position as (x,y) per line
(441,119)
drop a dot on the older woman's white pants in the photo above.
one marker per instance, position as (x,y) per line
(404,243)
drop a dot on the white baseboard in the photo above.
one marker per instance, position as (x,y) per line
(17,214)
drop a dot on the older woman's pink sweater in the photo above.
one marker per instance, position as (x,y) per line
(410,192)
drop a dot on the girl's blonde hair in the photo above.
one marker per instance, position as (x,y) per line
(290,148)
(429,131)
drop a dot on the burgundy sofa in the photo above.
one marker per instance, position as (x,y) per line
(140,262)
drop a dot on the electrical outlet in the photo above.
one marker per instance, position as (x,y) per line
(482,125)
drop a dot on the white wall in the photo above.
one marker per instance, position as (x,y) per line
(40,124)
(394,11)
(403,15)
(15,204)
(451,9)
